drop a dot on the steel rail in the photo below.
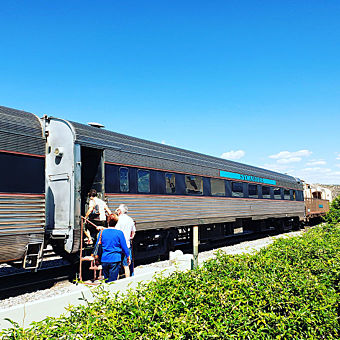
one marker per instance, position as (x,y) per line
(18,283)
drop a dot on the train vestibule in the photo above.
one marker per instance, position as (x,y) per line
(72,170)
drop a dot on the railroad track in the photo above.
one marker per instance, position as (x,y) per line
(54,269)
(27,281)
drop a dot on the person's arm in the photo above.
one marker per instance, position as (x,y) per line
(122,242)
(88,212)
(118,225)
(107,209)
(133,231)
(98,237)
(91,207)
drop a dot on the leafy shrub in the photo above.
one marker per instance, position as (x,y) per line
(289,290)
(333,216)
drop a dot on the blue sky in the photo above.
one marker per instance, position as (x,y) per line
(253,81)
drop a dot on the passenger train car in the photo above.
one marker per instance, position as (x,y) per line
(48,166)
(317,200)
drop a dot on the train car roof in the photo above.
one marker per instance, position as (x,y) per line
(20,132)
(123,149)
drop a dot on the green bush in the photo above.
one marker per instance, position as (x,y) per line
(289,290)
(333,216)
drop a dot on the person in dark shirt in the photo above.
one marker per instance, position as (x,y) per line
(113,243)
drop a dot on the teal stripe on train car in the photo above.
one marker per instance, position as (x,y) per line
(242,177)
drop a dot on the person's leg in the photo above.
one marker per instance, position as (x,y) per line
(114,271)
(89,237)
(131,267)
(106,269)
(101,223)
(92,232)
(127,271)
(126,266)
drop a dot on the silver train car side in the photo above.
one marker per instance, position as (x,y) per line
(48,165)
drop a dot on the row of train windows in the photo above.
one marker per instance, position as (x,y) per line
(194,186)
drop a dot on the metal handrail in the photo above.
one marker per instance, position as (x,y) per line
(88,221)
(83,219)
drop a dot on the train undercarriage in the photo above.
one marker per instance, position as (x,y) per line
(155,244)
(158,243)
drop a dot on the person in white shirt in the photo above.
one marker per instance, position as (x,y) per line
(127,225)
(96,213)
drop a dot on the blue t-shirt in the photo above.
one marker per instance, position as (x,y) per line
(113,242)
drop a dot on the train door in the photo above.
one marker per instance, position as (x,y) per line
(62,184)
(92,175)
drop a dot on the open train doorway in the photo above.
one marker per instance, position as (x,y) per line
(92,175)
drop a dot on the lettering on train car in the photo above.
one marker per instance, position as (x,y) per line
(248,178)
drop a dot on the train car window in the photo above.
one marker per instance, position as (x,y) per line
(206,186)
(294,195)
(193,184)
(143,180)
(265,192)
(286,194)
(217,187)
(277,193)
(124,179)
(228,188)
(237,189)
(22,174)
(180,184)
(157,184)
(170,183)
(301,196)
(298,195)
(252,191)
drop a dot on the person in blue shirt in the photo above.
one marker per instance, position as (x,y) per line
(113,243)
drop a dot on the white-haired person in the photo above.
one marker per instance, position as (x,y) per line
(127,225)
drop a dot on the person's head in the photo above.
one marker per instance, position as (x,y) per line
(122,209)
(112,220)
(93,193)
